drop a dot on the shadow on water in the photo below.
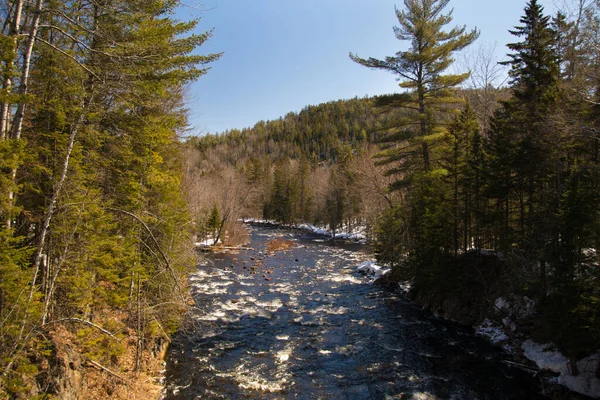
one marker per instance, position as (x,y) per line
(315,329)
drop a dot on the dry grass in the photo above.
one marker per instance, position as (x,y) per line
(279,245)
(118,380)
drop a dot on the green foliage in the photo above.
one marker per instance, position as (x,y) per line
(430,96)
(534,62)
(91,208)
(527,187)
(391,241)
(315,133)
(98,347)
(213,223)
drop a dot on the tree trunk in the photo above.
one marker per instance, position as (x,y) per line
(7,83)
(422,122)
(17,125)
(52,206)
(18,121)
(138,347)
(54,277)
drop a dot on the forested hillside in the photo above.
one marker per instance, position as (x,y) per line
(312,166)
(94,245)
(320,165)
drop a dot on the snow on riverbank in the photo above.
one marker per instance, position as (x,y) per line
(357,233)
(544,356)
(207,243)
(492,332)
(371,269)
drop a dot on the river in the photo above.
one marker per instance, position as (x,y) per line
(300,323)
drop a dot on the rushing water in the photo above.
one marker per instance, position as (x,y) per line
(301,324)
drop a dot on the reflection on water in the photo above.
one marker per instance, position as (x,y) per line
(299,323)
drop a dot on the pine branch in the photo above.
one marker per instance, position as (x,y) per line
(89,71)
(163,255)
(85,322)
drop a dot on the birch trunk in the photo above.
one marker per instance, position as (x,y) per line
(52,206)
(17,125)
(7,83)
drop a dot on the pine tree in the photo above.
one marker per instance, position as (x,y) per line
(421,71)
(213,224)
(534,62)
(97,194)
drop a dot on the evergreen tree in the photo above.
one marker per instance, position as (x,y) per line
(525,138)
(335,201)
(213,224)
(96,198)
(421,71)
(429,103)
(544,187)
(282,205)
(534,62)
(305,199)
(459,162)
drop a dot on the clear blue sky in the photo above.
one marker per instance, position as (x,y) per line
(281,55)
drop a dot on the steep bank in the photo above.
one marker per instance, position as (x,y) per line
(477,292)
(84,361)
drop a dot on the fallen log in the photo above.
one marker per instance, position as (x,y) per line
(103,368)
(217,248)
(521,366)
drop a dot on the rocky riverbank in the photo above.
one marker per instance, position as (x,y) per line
(508,321)
(69,370)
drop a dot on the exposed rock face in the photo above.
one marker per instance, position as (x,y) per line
(70,382)
(66,376)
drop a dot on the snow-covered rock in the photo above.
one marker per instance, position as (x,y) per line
(492,332)
(369,268)
(405,286)
(546,358)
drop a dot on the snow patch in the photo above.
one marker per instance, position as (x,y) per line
(492,332)
(369,268)
(589,252)
(357,233)
(549,359)
(207,243)
(405,286)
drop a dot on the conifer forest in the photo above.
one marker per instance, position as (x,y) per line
(469,187)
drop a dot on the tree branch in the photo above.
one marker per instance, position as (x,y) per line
(103,368)
(64,53)
(85,322)
(163,255)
